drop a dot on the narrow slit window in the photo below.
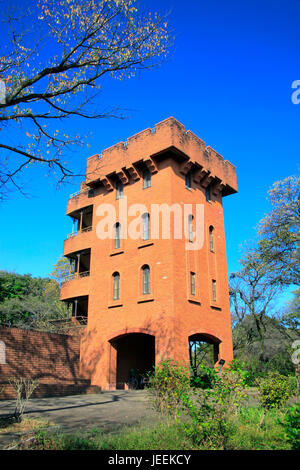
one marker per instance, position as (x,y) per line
(188,180)
(146,179)
(118,235)
(146,279)
(207,193)
(119,189)
(214,290)
(211,238)
(193,283)
(116,286)
(191,228)
(146,226)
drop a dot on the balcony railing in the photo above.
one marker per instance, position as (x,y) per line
(82,191)
(72,276)
(83,230)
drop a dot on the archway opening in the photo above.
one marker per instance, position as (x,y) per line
(134,357)
(203,351)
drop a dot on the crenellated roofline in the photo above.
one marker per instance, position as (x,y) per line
(168,136)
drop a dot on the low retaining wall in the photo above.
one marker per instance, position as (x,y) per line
(51,358)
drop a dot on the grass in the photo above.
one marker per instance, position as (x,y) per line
(27,425)
(246,434)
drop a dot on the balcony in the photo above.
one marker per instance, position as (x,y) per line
(80,237)
(76,284)
(80,199)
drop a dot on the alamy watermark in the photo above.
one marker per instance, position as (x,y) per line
(296,94)
(296,353)
(159,221)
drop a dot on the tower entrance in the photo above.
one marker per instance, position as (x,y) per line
(132,355)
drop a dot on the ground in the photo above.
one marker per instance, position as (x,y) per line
(108,411)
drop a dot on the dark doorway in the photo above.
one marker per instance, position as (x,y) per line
(134,352)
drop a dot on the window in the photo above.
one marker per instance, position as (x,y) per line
(146,226)
(191,228)
(211,238)
(117,235)
(119,188)
(214,290)
(146,279)
(193,283)
(116,286)
(2,353)
(188,180)
(146,179)
(207,193)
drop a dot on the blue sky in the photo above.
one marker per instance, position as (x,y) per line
(228,78)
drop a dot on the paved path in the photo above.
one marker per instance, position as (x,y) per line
(107,410)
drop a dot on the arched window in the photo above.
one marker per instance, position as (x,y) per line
(146,279)
(146,179)
(2,353)
(116,286)
(191,228)
(117,235)
(211,238)
(146,226)
(119,188)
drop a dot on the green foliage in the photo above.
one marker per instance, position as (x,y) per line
(167,385)
(291,425)
(209,410)
(28,302)
(238,366)
(274,391)
(280,232)
(206,377)
(61,270)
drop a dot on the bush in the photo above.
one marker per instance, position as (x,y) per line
(274,390)
(167,386)
(209,410)
(24,389)
(291,426)
(205,378)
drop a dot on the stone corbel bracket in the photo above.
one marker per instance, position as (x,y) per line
(107,184)
(133,173)
(122,177)
(185,167)
(151,165)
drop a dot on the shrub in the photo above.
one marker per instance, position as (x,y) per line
(205,378)
(24,389)
(291,426)
(209,410)
(167,386)
(274,390)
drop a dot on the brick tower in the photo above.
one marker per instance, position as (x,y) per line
(150,296)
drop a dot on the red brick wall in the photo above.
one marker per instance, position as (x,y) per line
(51,358)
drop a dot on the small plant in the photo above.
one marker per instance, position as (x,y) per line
(291,426)
(167,386)
(236,365)
(209,410)
(24,389)
(274,390)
